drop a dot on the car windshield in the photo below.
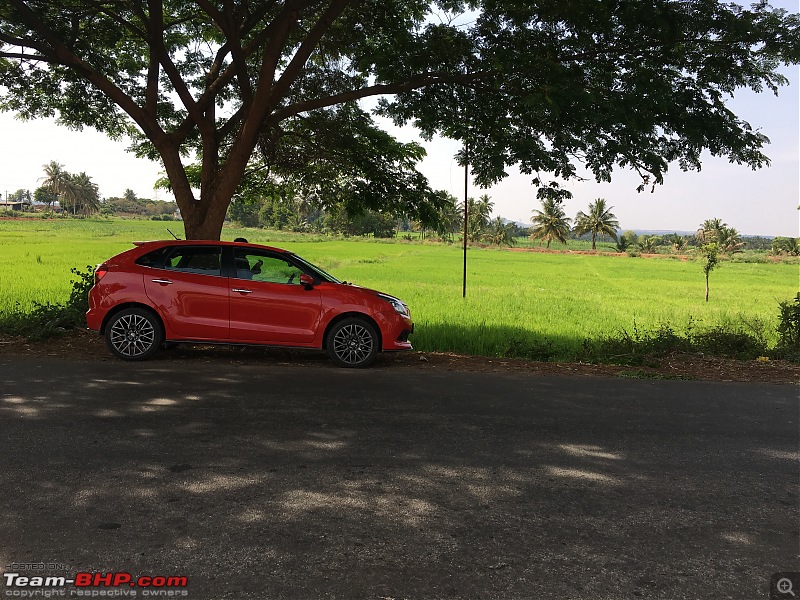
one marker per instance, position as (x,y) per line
(316,270)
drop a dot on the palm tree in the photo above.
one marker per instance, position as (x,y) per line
(478,216)
(448,217)
(648,244)
(710,230)
(551,222)
(479,213)
(499,233)
(55,178)
(81,193)
(679,242)
(790,246)
(599,221)
(623,243)
(730,240)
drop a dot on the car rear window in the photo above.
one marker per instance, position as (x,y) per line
(152,259)
(202,260)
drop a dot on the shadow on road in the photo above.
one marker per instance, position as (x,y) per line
(303,482)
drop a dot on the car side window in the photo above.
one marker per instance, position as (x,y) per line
(201,260)
(261,266)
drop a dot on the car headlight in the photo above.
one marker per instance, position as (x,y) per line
(398,305)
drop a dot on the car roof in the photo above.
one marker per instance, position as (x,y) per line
(150,244)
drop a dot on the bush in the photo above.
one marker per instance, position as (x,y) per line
(728,342)
(46,320)
(743,340)
(789,328)
(636,347)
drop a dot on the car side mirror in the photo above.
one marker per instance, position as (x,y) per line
(307,281)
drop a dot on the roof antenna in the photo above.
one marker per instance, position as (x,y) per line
(172,234)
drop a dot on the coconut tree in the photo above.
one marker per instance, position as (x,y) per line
(55,178)
(499,232)
(648,244)
(730,240)
(677,241)
(710,230)
(623,243)
(598,221)
(448,218)
(550,223)
(478,216)
(81,194)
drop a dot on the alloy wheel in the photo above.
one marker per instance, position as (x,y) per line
(353,344)
(132,335)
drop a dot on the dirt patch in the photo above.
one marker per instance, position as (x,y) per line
(89,346)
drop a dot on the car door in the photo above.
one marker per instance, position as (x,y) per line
(190,292)
(267,301)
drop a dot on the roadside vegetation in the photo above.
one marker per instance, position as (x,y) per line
(543,306)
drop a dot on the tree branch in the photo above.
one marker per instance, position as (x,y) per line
(196,114)
(310,42)
(416,82)
(36,57)
(23,43)
(118,18)
(269,33)
(155,25)
(59,53)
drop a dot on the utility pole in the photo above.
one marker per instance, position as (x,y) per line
(466,215)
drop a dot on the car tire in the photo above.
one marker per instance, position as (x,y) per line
(352,343)
(134,334)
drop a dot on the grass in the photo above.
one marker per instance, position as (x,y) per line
(518,303)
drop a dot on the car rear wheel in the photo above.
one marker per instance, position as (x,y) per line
(352,342)
(134,334)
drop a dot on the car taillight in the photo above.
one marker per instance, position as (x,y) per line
(99,273)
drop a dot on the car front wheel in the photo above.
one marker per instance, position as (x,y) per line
(134,334)
(352,342)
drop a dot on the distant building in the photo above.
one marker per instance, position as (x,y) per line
(6,205)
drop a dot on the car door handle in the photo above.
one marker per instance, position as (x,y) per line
(242,291)
(162,281)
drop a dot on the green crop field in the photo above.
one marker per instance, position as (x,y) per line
(514,298)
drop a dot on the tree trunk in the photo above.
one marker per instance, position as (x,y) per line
(706,287)
(594,237)
(203,218)
(201,229)
(204,222)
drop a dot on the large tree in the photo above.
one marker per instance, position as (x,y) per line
(546,84)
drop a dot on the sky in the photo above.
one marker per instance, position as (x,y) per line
(760,202)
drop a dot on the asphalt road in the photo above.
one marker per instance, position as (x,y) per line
(278,481)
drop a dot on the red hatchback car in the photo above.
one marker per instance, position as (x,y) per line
(238,293)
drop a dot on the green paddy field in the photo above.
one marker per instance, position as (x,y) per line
(515,298)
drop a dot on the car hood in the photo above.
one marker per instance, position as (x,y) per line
(370,291)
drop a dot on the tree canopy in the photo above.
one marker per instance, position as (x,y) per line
(221,89)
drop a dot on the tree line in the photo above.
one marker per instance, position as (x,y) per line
(78,195)
(282,207)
